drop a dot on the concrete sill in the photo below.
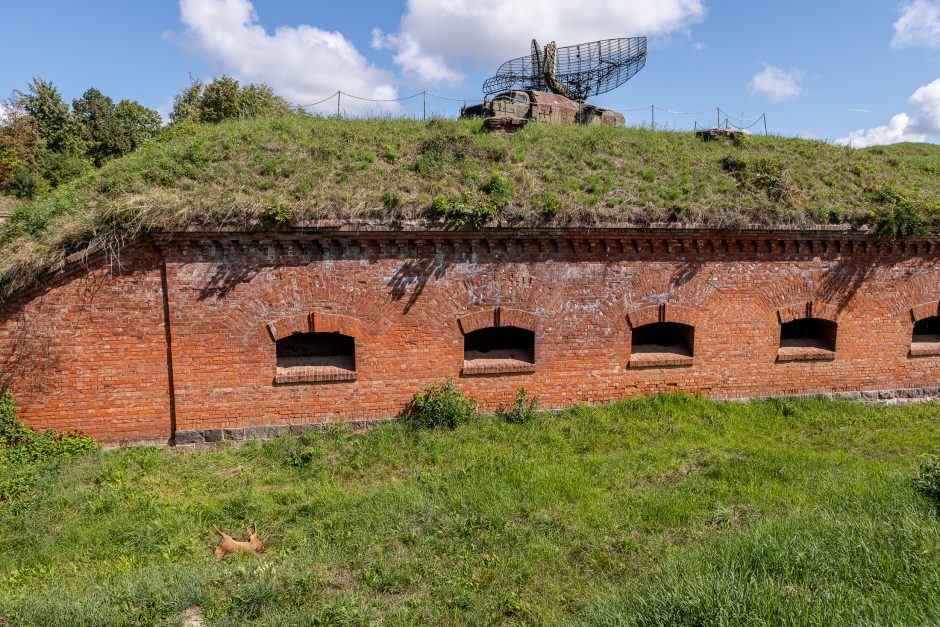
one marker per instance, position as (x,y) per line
(659,360)
(473,367)
(313,374)
(804,353)
(925,349)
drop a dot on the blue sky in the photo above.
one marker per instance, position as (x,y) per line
(817,69)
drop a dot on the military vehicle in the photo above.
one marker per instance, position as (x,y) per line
(551,85)
(516,107)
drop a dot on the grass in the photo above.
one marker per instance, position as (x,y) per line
(671,510)
(8,204)
(271,173)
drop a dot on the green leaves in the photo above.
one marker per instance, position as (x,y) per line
(224,99)
(441,405)
(898,216)
(19,445)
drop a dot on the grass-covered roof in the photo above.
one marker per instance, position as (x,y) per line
(278,172)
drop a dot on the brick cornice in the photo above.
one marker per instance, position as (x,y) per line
(589,243)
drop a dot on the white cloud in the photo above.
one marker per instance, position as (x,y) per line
(899,129)
(435,37)
(926,102)
(302,63)
(919,24)
(855,110)
(903,127)
(415,64)
(776,83)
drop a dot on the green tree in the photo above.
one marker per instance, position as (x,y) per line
(21,151)
(224,99)
(187,105)
(260,101)
(221,100)
(137,122)
(60,132)
(111,130)
(101,132)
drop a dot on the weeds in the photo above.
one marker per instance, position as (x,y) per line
(19,445)
(928,478)
(524,408)
(442,404)
(897,216)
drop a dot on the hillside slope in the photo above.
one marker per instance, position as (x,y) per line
(271,173)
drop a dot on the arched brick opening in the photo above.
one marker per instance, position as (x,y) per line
(807,339)
(925,336)
(498,341)
(663,339)
(314,347)
(808,332)
(662,336)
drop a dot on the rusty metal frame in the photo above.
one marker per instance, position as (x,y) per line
(582,71)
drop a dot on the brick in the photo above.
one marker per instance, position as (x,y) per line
(108,349)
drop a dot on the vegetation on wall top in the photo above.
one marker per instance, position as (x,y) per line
(277,171)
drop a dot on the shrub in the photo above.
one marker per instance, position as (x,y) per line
(20,445)
(391,199)
(524,408)
(277,212)
(550,204)
(898,216)
(928,478)
(733,165)
(499,189)
(440,405)
(464,211)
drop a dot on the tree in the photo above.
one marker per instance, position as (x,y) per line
(111,131)
(100,130)
(60,132)
(137,123)
(187,105)
(21,150)
(19,133)
(223,99)
(261,101)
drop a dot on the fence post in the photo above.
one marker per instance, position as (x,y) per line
(424,105)
(764,115)
(652,117)
(339,95)
(718,110)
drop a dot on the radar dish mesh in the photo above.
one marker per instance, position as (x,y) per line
(584,70)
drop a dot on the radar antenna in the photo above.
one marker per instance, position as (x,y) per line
(576,72)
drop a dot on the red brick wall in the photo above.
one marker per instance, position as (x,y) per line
(408,298)
(89,350)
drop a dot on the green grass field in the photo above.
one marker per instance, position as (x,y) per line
(662,511)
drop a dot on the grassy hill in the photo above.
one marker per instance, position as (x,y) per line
(269,173)
(663,511)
